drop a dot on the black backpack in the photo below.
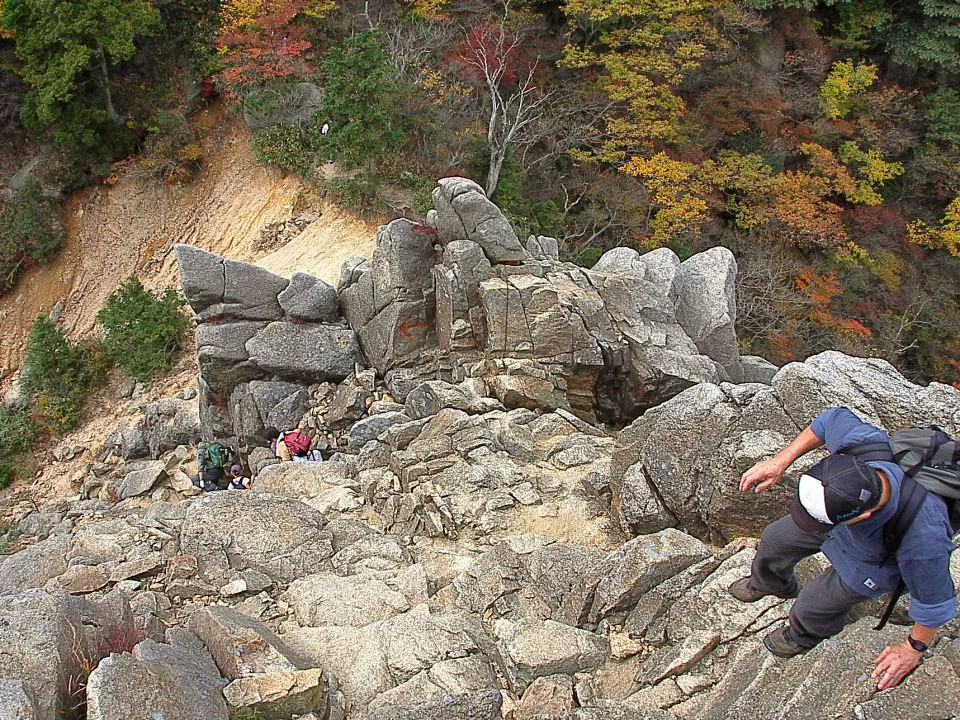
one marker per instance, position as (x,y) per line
(930,460)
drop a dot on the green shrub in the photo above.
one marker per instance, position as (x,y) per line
(423,199)
(682,250)
(171,151)
(526,216)
(284,146)
(245,713)
(18,430)
(355,193)
(588,257)
(547,216)
(30,231)
(9,532)
(143,329)
(58,375)
(89,141)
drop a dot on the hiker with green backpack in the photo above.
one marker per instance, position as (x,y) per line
(880,509)
(212,458)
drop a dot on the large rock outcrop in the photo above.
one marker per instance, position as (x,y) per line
(613,340)
(459,297)
(257,328)
(680,463)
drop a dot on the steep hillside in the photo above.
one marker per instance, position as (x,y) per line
(130,227)
(234,208)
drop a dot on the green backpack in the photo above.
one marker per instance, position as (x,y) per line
(211,454)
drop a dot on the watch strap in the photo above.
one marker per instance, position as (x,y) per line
(916,644)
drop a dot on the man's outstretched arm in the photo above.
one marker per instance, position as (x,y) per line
(768,472)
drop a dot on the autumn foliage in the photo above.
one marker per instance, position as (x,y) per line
(260,41)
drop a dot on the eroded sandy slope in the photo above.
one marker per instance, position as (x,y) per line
(131,227)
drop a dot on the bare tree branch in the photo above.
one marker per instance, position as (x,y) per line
(510,110)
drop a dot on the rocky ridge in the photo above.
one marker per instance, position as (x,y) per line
(474,547)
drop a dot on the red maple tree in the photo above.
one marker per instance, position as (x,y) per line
(259,41)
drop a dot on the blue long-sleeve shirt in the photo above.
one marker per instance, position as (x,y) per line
(857,551)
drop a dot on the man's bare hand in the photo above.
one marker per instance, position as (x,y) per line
(894,664)
(764,474)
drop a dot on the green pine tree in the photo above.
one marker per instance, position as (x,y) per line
(360,101)
(64,44)
(143,329)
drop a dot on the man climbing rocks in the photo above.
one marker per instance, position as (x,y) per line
(211,458)
(841,507)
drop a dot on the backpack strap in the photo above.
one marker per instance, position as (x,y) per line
(871,452)
(891,604)
(912,497)
(201,453)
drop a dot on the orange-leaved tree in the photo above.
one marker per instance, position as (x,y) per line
(261,40)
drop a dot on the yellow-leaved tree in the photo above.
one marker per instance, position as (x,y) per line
(854,173)
(641,51)
(844,88)
(676,204)
(946,237)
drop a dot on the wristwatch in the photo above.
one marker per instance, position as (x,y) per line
(916,644)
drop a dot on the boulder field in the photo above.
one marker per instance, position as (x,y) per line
(528,507)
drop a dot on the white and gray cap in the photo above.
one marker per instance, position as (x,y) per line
(835,490)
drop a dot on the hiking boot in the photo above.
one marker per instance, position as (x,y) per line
(743,592)
(781,643)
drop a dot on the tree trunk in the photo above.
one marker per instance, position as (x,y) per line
(108,98)
(493,174)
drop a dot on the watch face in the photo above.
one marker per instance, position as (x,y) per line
(916,644)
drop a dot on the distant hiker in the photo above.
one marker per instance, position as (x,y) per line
(293,445)
(856,511)
(211,458)
(325,130)
(239,481)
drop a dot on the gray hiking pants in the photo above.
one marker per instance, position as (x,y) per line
(822,606)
